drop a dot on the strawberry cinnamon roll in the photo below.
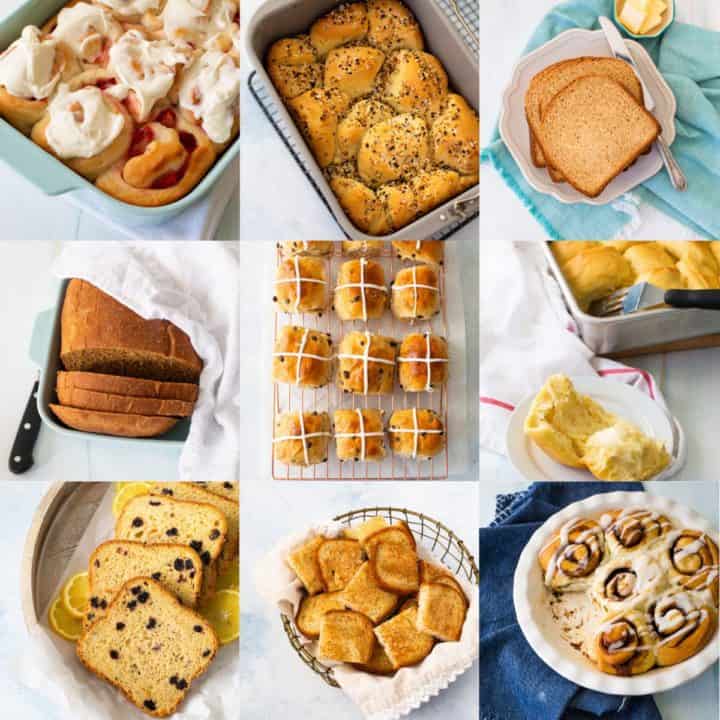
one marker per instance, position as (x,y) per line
(168,156)
(30,70)
(132,11)
(84,126)
(195,22)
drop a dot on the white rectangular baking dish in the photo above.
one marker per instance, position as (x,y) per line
(642,330)
(280,18)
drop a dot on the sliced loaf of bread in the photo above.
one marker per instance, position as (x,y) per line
(114,403)
(594,129)
(121,385)
(113,423)
(229,490)
(149,646)
(177,567)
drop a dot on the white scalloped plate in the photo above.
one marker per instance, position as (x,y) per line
(515,132)
(624,401)
(541,630)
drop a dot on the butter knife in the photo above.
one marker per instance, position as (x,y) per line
(621,51)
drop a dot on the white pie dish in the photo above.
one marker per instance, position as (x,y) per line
(515,131)
(541,631)
(623,400)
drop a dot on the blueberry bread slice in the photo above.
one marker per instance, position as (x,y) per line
(177,567)
(153,519)
(229,490)
(149,646)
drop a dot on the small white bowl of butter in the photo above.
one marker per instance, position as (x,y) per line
(644,18)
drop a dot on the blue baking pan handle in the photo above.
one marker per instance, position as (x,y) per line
(41,334)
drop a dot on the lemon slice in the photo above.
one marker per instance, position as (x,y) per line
(230,579)
(75,595)
(223,613)
(127,493)
(62,622)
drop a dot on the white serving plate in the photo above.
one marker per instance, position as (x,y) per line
(515,131)
(541,630)
(623,400)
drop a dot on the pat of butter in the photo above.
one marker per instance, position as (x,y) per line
(632,17)
(653,20)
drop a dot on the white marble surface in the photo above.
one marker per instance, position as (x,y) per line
(29,214)
(504,31)
(274,682)
(700,694)
(278,201)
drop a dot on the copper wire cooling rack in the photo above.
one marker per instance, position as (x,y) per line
(288,398)
(446,547)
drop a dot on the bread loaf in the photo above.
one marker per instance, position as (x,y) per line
(110,423)
(121,385)
(113,403)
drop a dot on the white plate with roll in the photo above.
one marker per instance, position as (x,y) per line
(618,398)
(541,630)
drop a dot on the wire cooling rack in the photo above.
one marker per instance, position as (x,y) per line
(288,398)
(465,17)
(442,542)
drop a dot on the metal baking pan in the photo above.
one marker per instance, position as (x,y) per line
(276,19)
(647,329)
(50,175)
(45,353)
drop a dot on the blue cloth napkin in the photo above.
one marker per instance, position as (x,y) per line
(689,59)
(515,684)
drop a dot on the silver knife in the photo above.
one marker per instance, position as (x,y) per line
(620,50)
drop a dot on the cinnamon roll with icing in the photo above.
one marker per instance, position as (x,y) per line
(624,645)
(633,529)
(693,561)
(627,582)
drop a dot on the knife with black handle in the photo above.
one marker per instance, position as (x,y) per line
(21,455)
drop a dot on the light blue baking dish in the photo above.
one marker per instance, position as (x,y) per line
(54,178)
(45,353)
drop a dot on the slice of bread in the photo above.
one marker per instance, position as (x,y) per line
(404,644)
(149,646)
(441,611)
(363,531)
(110,402)
(121,385)
(304,563)
(593,130)
(339,560)
(177,567)
(398,532)
(395,567)
(313,609)
(378,664)
(346,636)
(363,594)
(431,573)
(229,490)
(548,83)
(110,423)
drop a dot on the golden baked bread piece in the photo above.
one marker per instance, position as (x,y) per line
(365,248)
(416,293)
(302,357)
(304,563)
(363,594)
(623,645)
(294,66)
(302,438)
(119,403)
(111,423)
(455,137)
(121,385)
(398,532)
(346,636)
(307,247)
(366,364)
(634,530)
(344,24)
(423,361)
(359,434)
(418,434)
(693,562)
(404,644)
(441,611)
(312,610)
(353,70)
(395,567)
(416,83)
(378,664)
(363,115)
(431,573)
(339,559)
(301,285)
(360,293)
(431,252)
(364,530)
(391,26)
(566,250)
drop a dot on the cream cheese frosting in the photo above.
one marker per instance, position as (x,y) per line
(27,67)
(84,27)
(130,8)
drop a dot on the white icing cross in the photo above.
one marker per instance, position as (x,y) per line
(366,359)
(361,434)
(298,280)
(428,360)
(362,285)
(416,431)
(303,437)
(415,287)
(300,355)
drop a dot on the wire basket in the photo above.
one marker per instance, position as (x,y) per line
(288,398)
(445,545)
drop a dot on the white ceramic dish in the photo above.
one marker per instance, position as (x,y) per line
(515,132)
(623,400)
(541,630)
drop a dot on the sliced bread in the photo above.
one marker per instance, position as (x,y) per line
(121,385)
(110,423)
(109,402)
(149,646)
(229,490)
(100,334)
(177,567)
(593,130)
(548,83)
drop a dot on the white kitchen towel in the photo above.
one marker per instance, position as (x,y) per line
(195,286)
(378,698)
(527,334)
(199,222)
